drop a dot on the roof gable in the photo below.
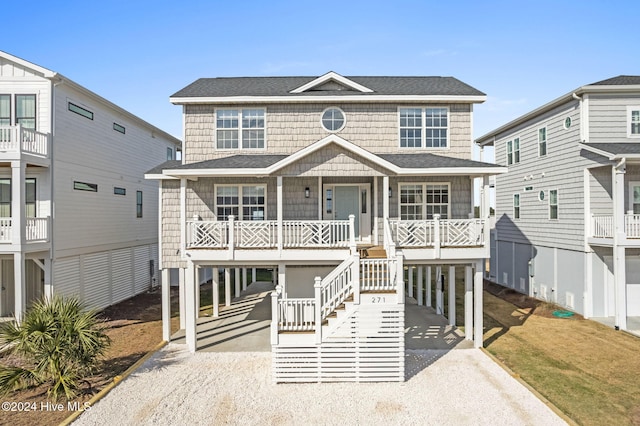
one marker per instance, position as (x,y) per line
(12,66)
(339,83)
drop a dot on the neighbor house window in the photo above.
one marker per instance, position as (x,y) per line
(138,203)
(249,200)
(423,201)
(169,154)
(5,110)
(423,127)
(516,206)
(634,122)
(542,141)
(634,197)
(5,197)
(30,197)
(240,128)
(84,186)
(80,111)
(509,153)
(119,191)
(26,111)
(119,128)
(553,204)
(516,150)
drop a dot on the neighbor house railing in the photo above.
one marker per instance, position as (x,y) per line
(36,229)
(22,140)
(602,225)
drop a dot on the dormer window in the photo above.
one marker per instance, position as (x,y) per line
(333,119)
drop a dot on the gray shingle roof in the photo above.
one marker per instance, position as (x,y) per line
(617,148)
(430,161)
(257,161)
(281,86)
(157,170)
(621,80)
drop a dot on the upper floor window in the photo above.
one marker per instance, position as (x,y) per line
(424,127)
(542,141)
(80,111)
(23,112)
(5,110)
(513,151)
(30,204)
(634,122)
(138,204)
(333,119)
(553,204)
(516,206)
(169,154)
(119,128)
(237,128)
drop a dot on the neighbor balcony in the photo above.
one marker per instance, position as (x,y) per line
(16,141)
(602,229)
(36,230)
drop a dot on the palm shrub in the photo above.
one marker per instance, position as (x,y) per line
(58,342)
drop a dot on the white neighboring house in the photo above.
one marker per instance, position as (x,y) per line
(568,210)
(76,216)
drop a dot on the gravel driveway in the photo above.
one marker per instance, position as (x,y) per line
(461,386)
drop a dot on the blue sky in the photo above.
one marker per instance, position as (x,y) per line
(137,53)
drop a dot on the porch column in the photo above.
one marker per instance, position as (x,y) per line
(468,302)
(439,289)
(282,282)
(477,309)
(419,284)
(254,275)
(190,291)
(452,295)
(410,276)
(385,197)
(227,287)
(485,215)
(215,296)
(48,288)
(320,197)
(376,228)
(197,278)
(166,305)
(279,212)
(244,279)
(20,285)
(236,282)
(181,297)
(619,237)
(183,216)
(428,287)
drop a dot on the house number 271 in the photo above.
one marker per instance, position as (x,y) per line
(378,299)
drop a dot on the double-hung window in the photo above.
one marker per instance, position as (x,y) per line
(5,110)
(516,206)
(23,111)
(542,141)
(423,201)
(553,204)
(509,153)
(30,197)
(516,150)
(424,127)
(634,122)
(5,197)
(240,128)
(247,200)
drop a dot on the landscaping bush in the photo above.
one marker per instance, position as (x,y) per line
(58,343)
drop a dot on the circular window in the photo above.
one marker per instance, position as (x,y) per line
(541,196)
(333,119)
(567,122)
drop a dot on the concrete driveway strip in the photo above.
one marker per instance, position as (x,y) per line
(454,387)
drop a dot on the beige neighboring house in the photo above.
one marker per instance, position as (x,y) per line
(76,216)
(355,190)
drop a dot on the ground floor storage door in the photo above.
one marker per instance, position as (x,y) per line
(347,203)
(7,297)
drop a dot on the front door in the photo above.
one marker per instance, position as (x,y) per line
(347,203)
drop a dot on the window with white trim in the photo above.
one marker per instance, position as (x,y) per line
(553,204)
(423,201)
(250,200)
(5,197)
(516,206)
(26,111)
(509,153)
(424,127)
(542,141)
(5,110)
(30,204)
(516,150)
(634,122)
(634,197)
(237,128)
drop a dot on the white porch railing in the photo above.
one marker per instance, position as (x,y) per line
(602,225)
(336,287)
(19,139)
(437,233)
(295,314)
(234,234)
(36,229)
(378,274)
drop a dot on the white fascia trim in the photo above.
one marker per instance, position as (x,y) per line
(314,99)
(452,171)
(328,77)
(44,71)
(155,176)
